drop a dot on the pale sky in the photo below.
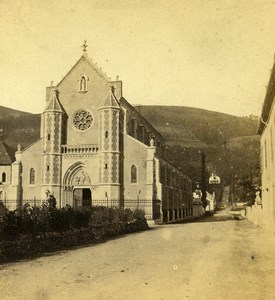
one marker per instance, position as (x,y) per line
(212,54)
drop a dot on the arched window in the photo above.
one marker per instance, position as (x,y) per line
(32,176)
(133,174)
(4,177)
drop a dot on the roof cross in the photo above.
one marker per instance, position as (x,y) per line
(84,46)
(56,92)
(112,88)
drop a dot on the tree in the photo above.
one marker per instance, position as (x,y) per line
(203,180)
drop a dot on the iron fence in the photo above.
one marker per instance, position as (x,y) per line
(150,207)
(12,204)
(147,205)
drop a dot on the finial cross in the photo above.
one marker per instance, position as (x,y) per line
(84,46)
(112,88)
(56,92)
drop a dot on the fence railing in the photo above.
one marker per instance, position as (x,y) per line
(150,207)
(147,205)
(12,204)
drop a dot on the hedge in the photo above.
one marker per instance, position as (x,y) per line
(32,231)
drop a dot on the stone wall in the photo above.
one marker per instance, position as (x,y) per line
(31,158)
(136,155)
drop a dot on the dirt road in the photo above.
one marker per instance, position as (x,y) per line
(212,259)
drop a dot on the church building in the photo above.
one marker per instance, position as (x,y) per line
(95,148)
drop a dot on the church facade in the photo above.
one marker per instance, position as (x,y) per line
(96,149)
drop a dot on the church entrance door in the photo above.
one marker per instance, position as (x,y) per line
(77,187)
(82,198)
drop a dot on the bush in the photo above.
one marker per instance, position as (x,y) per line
(139,214)
(36,220)
(31,231)
(128,215)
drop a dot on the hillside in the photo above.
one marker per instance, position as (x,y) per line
(19,127)
(185,126)
(194,127)
(229,142)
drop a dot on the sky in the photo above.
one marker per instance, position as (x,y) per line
(211,54)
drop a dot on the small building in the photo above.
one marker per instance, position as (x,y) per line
(6,160)
(214,179)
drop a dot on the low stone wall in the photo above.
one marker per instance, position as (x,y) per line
(254,214)
(29,246)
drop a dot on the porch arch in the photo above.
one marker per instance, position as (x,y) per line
(76,175)
(76,186)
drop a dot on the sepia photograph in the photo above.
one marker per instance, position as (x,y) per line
(137,149)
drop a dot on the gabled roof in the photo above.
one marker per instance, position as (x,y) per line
(7,156)
(111,100)
(89,60)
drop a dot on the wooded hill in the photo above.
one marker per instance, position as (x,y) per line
(19,127)
(229,142)
(195,127)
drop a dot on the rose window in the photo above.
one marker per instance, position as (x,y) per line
(82,119)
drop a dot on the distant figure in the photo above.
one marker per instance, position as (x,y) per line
(48,193)
(50,199)
(52,202)
(258,199)
(3,209)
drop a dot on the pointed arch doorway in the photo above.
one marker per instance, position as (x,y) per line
(77,190)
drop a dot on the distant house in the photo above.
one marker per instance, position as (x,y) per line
(214,179)
(6,160)
(266,129)
(95,148)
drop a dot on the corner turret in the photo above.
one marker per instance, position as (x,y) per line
(109,149)
(52,134)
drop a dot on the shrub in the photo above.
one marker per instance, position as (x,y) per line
(36,220)
(31,231)
(102,215)
(139,214)
(9,225)
(128,215)
(3,209)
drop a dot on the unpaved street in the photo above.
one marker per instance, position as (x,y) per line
(212,259)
